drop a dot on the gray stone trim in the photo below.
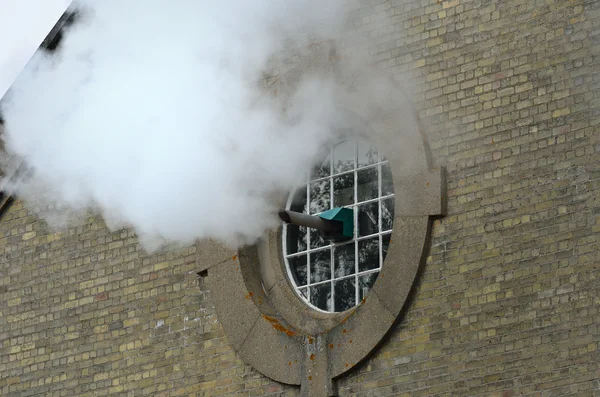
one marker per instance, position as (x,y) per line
(275,331)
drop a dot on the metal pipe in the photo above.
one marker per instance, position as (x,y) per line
(312,221)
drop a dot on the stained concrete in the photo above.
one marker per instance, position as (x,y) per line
(235,310)
(402,262)
(210,253)
(419,193)
(352,340)
(273,349)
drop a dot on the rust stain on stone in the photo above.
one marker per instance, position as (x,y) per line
(234,257)
(309,377)
(249,295)
(347,317)
(312,356)
(331,345)
(278,326)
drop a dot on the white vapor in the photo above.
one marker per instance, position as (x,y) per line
(152,113)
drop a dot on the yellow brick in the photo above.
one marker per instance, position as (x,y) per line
(130,290)
(101,376)
(28,346)
(29,236)
(86,284)
(161,266)
(130,321)
(86,300)
(451,3)
(432,43)
(14,380)
(561,112)
(14,302)
(491,288)
(70,304)
(419,63)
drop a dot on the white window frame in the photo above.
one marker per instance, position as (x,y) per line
(381,162)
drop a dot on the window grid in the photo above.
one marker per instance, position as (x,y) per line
(304,291)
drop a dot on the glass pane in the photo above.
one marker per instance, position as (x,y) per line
(367,154)
(320,198)
(387,214)
(385,243)
(303,292)
(296,239)
(320,296)
(322,169)
(367,184)
(345,294)
(317,240)
(343,190)
(368,254)
(299,201)
(387,183)
(320,266)
(343,156)
(368,218)
(298,269)
(365,282)
(344,260)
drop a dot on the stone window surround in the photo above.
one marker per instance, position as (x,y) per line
(273,330)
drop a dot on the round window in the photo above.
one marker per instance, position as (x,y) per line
(336,276)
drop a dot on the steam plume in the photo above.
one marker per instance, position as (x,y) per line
(152,113)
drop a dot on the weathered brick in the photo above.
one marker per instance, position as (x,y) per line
(506,303)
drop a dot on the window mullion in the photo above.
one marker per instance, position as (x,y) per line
(308,289)
(355,215)
(358,291)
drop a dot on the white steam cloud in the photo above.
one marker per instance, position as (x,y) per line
(152,113)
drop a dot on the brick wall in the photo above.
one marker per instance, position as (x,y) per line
(507,303)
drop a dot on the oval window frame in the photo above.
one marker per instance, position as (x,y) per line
(382,167)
